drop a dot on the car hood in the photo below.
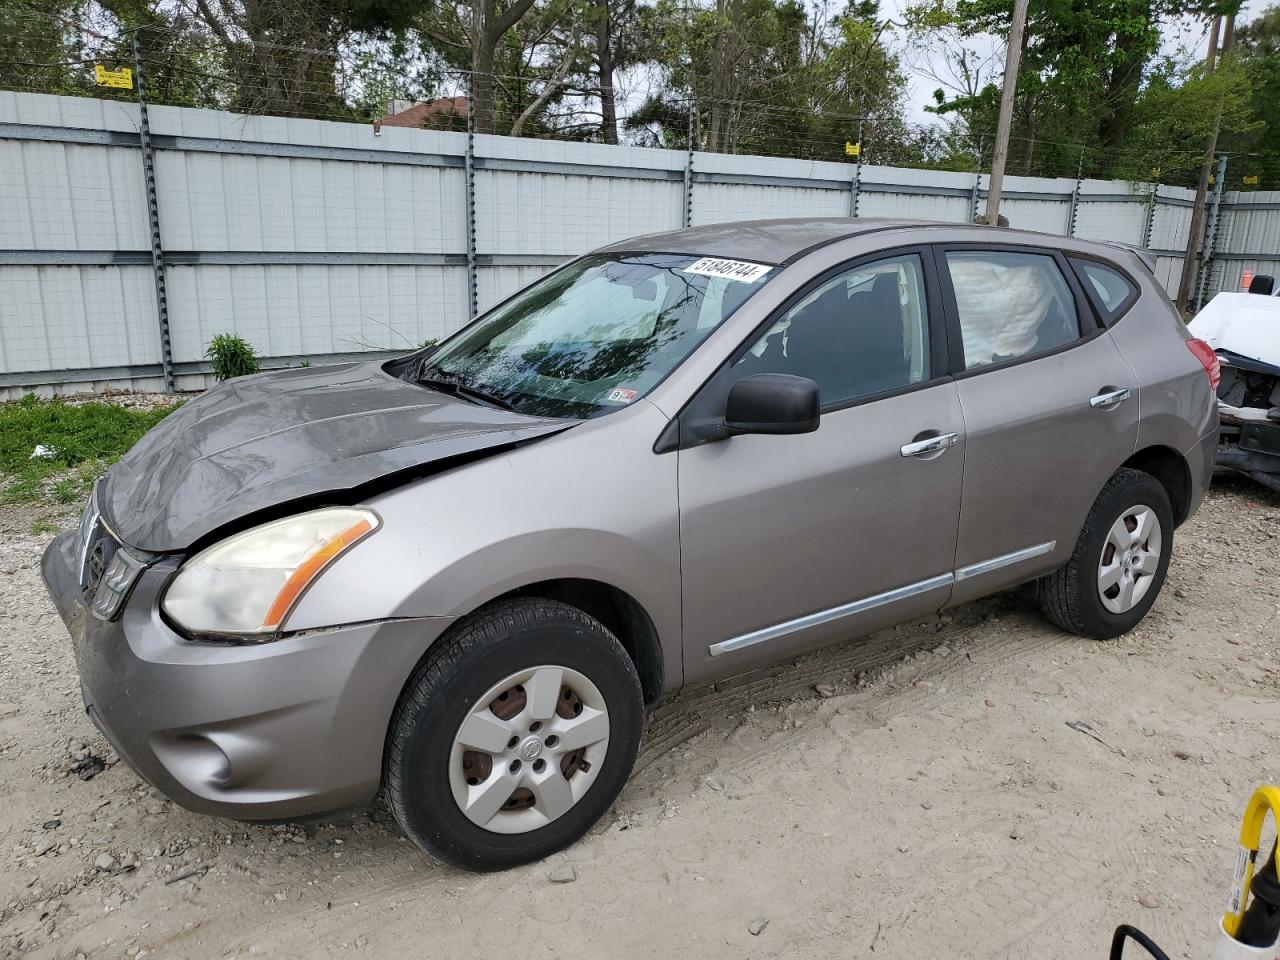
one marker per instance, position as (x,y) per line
(1246,324)
(255,443)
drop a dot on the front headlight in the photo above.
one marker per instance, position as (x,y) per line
(248,583)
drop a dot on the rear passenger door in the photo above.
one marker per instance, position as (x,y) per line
(1050,407)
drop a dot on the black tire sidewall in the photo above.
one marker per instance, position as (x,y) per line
(1144,491)
(426,798)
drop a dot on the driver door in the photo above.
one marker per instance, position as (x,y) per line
(793,542)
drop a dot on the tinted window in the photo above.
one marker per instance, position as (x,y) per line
(863,332)
(1010,304)
(1110,288)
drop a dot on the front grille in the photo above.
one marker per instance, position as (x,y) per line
(97,547)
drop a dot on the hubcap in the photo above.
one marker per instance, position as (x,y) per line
(1130,558)
(529,749)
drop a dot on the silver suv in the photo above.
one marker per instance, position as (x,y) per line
(460,576)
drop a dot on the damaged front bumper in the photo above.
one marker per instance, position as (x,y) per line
(1249,415)
(265,731)
(1249,445)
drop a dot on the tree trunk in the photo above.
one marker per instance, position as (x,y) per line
(487,29)
(1122,88)
(604,66)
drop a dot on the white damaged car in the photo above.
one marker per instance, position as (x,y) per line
(1244,330)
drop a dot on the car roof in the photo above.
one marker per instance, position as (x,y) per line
(761,241)
(782,241)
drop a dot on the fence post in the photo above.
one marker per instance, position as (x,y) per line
(153,217)
(856,188)
(1211,231)
(1075,197)
(1149,226)
(688,170)
(469,170)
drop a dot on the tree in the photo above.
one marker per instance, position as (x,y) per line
(773,77)
(1083,70)
(1258,52)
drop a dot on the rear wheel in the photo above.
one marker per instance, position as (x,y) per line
(1119,563)
(514,736)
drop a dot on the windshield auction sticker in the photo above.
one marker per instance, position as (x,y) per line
(738,270)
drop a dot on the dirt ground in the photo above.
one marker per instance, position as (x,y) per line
(917,793)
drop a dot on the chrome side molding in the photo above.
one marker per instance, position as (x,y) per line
(880,599)
(827,616)
(1004,560)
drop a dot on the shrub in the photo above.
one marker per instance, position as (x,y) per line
(231,356)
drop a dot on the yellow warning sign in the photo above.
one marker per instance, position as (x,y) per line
(1251,181)
(852,149)
(121,79)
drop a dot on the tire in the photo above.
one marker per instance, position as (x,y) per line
(1073,596)
(440,789)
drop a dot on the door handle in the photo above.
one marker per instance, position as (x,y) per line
(1110,398)
(919,448)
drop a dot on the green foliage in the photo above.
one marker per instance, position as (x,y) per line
(231,356)
(84,439)
(1173,117)
(776,77)
(1258,149)
(1092,92)
(771,77)
(39,527)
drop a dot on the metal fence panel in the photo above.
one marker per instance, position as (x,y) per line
(319,239)
(315,309)
(59,318)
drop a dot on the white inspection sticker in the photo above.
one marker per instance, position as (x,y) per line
(739,270)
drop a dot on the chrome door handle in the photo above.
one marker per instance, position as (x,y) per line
(932,445)
(1105,401)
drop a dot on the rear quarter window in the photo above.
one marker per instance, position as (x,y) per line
(1109,289)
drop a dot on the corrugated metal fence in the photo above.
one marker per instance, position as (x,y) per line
(318,240)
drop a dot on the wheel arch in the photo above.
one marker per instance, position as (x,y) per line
(1173,472)
(620,613)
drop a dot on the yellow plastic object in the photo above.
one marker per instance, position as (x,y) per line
(1264,799)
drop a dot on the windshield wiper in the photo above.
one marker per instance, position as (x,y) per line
(467,392)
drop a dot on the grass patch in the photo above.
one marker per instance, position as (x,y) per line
(85,440)
(44,526)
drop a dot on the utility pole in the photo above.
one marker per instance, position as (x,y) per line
(1012,58)
(1195,235)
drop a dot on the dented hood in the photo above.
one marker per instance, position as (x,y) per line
(1246,324)
(255,443)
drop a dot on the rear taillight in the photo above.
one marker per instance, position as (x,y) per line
(1204,353)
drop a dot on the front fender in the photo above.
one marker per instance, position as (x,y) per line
(592,503)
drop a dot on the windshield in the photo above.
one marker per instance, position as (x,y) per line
(594,336)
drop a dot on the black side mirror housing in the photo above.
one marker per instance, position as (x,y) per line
(773,403)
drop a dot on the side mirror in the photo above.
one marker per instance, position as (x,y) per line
(773,403)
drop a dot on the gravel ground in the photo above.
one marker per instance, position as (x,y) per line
(914,793)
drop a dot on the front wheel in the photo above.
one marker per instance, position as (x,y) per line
(1119,563)
(514,735)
